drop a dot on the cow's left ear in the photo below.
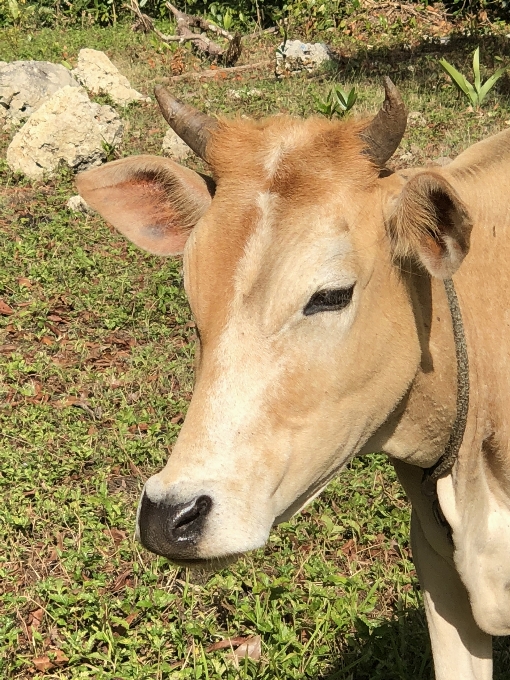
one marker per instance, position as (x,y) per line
(431,222)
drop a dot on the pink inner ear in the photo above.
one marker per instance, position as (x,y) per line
(141,210)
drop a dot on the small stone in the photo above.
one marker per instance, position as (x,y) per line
(78,204)
(416,118)
(174,147)
(67,128)
(26,85)
(293,56)
(97,73)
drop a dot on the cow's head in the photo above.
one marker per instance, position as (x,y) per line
(307,339)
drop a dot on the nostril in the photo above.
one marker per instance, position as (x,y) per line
(173,529)
(187,518)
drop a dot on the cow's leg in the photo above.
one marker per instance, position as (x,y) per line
(460,649)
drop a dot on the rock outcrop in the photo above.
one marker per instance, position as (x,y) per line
(294,55)
(97,73)
(67,128)
(26,85)
(174,147)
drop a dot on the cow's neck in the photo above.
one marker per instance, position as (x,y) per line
(418,430)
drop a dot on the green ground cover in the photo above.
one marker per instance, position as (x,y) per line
(95,377)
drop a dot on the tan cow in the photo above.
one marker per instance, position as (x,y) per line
(316,279)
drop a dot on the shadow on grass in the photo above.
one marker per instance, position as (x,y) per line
(420,63)
(400,650)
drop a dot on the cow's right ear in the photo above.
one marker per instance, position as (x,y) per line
(151,200)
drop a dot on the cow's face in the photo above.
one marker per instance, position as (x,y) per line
(307,338)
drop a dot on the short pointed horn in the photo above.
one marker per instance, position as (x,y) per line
(192,126)
(385,131)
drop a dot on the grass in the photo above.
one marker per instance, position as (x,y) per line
(95,378)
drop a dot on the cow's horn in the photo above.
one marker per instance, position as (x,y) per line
(192,126)
(385,131)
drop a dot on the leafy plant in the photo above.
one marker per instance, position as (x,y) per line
(477,91)
(338,102)
(14,9)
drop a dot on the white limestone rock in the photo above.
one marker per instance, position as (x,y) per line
(26,85)
(67,128)
(294,55)
(97,73)
(78,204)
(174,147)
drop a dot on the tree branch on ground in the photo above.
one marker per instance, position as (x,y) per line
(184,33)
(215,73)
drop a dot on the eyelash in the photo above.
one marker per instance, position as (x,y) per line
(328,301)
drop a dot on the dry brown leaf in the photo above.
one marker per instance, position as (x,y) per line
(228,643)
(117,535)
(252,649)
(134,470)
(45,663)
(54,317)
(121,580)
(35,619)
(46,340)
(42,663)
(5,310)
(5,349)
(24,282)
(143,427)
(349,548)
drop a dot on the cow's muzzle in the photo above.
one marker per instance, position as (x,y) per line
(173,530)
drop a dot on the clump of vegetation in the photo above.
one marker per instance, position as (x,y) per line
(475,92)
(311,15)
(338,102)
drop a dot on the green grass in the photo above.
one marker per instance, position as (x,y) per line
(95,377)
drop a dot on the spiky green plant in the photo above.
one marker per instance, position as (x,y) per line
(477,91)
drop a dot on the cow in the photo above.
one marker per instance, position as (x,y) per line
(341,308)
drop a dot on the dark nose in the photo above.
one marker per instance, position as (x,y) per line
(173,530)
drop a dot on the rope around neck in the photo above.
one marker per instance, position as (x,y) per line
(451,452)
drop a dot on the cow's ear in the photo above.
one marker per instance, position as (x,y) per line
(430,222)
(151,200)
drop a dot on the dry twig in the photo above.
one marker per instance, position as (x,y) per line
(214,73)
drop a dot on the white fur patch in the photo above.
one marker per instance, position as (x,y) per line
(283,144)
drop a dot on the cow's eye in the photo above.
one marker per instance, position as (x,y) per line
(328,300)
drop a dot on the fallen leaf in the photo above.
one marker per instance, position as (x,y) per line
(60,658)
(45,663)
(5,310)
(228,643)
(24,282)
(42,663)
(349,548)
(135,471)
(121,580)
(252,649)
(35,619)
(46,340)
(117,535)
(5,349)
(54,317)
(142,427)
